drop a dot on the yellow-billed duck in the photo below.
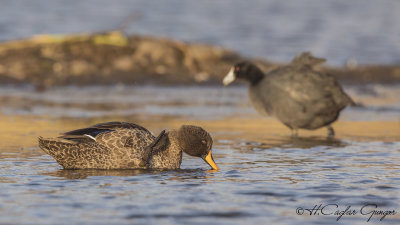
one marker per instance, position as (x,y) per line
(121,145)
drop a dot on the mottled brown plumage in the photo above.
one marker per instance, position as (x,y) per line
(120,145)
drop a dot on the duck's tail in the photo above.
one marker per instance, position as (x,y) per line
(58,149)
(54,146)
(44,144)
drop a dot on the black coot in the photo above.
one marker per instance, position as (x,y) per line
(296,94)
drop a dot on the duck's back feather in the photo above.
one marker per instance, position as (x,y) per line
(71,155)
(113,145)
(99,128)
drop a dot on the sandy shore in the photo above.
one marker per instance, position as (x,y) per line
(22,131)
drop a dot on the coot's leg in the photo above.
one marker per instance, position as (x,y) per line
(294,133)
(331,131)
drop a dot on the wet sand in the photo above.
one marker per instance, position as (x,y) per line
(27,114)
(23,131)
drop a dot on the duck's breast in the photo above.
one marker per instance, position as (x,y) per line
(169,156)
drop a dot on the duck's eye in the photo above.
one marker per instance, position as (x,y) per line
(237,69)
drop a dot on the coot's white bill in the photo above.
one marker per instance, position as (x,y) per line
(230,77)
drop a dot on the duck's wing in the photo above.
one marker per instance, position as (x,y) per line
(160,143)
(90,133)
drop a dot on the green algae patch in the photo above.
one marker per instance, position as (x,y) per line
(112,38)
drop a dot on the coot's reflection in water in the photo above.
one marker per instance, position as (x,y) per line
(291,142)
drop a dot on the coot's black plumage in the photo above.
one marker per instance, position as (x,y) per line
(298,95)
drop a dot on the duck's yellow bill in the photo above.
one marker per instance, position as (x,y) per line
(209,159)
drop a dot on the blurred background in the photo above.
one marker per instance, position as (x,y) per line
(73,63)
(48,43)
(367,31)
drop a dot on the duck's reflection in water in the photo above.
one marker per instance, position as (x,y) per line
(180,174)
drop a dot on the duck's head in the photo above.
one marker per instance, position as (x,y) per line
(245,71)
(195,141)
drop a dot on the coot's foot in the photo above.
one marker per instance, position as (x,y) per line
(331,132)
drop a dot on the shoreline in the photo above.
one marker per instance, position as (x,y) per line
(263,130)
(113,58)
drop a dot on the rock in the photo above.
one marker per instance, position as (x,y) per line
(81,67)
(123,63)
(158,52)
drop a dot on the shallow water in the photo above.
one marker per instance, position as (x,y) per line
(265,176)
